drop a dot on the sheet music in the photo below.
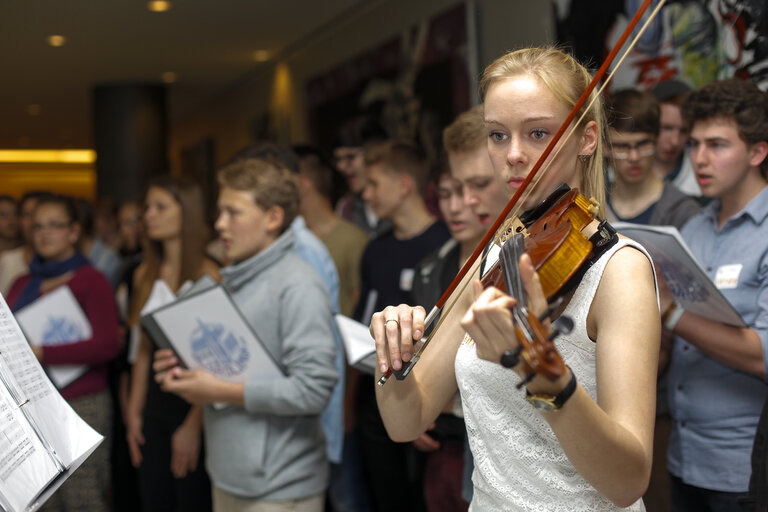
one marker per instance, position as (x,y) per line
(25,465)
(59,426)
(686,279)
(29,379)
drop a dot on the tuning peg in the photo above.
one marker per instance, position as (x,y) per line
(561,325)
(510,358)
(551,308)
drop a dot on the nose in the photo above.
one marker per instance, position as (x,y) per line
(469,198)
(367,193)
(220,223)
(515,154)
(456,203)
(698,155)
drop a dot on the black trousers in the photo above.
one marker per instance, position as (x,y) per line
(160,490)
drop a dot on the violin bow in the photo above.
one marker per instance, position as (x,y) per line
(522,191)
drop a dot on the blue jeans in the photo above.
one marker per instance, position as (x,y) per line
(347,491)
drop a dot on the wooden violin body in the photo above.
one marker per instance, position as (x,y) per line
(552,235)
(555,241)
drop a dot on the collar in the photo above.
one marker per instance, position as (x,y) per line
(235,276)
(756,209)
(299,223)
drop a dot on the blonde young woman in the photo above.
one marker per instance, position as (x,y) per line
(164,432)
(593,451)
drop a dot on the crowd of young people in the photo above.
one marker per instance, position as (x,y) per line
(470,427)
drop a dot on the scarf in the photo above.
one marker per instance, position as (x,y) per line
(40,270)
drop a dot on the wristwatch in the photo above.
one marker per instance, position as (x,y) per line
(552,402)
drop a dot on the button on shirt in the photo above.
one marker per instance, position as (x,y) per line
(716,408)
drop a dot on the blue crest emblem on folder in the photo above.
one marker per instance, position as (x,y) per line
(218,350)
(61,330)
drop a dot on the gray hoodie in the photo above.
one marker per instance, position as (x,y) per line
(274,450)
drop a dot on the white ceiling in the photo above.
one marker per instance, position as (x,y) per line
(207,43)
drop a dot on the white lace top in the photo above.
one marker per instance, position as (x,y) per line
(519,464)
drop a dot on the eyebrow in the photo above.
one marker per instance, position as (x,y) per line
(525,120)
(710,139)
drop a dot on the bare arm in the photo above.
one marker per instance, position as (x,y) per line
(136,398)
(410,406)
(609,442)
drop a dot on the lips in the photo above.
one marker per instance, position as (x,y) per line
(703,180)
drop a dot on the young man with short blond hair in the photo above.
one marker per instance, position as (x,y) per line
(266,451)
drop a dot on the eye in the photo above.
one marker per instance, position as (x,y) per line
(539,134)
(496,136)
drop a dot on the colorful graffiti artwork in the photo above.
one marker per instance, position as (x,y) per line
(695,41)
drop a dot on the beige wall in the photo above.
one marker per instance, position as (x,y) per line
(500,25)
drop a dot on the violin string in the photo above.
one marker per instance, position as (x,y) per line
(585,111)
(595,97)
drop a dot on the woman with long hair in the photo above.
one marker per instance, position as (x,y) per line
(582,442)
(164,432)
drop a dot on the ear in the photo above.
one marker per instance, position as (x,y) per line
(275,217)
(589,139)
(74,236)
(757,153)
(406,184)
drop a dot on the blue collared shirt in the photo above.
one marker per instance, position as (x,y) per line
(715,408)
(310,249)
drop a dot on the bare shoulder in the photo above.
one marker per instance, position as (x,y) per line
(628,264)
(627,291)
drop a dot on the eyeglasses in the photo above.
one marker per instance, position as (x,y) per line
(53,226)
(621,150)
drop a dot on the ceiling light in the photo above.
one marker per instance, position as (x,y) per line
(169,77)
(159,5)
(56,40)
(261,55)
(62,156)
(34,110)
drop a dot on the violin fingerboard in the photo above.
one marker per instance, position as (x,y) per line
(510,257)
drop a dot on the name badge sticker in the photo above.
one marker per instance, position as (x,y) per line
(727,276)
(406,279)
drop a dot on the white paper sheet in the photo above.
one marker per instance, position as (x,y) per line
(160,295)
(34,396)
(687,281)
(56,318)
(359,346)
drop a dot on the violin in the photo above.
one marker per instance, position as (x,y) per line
(552,235)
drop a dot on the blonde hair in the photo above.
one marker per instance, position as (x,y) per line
(270,183)
(567,80)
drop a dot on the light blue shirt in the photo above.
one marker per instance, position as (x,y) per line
(715,408)
(105,260)
(309,248)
